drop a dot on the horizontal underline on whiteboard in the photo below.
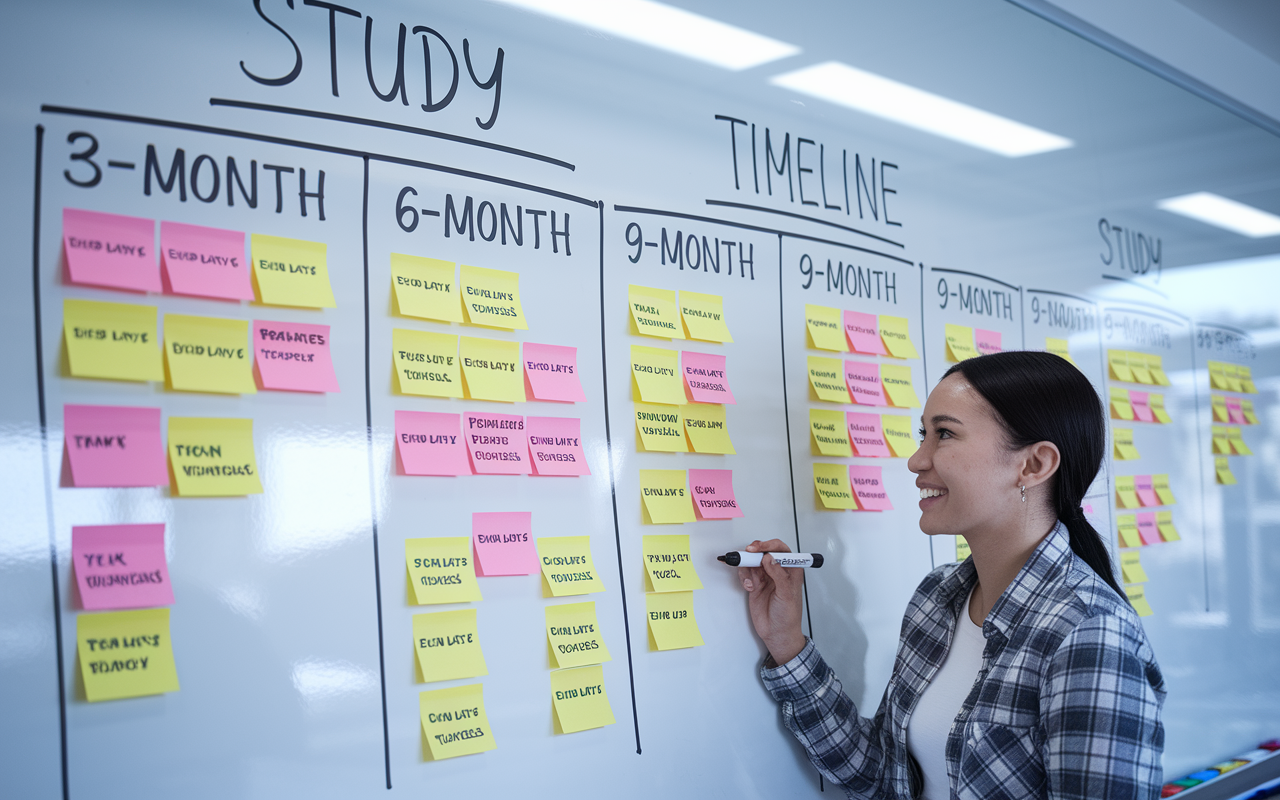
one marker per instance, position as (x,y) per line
(748,227)
(1231,328)
(1132,282)
(794,215)
(1063,294)
(1127,307)
(391,126)
(977,275)
(323,148)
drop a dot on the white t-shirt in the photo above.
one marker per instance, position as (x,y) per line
(940,703)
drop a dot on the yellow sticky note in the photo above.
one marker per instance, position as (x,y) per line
(291,272)
(440,570)
(1164,521)
(703,316)
(654,312)
(707,427)
(491,297)
(491,369)
(208,354)
(963,550)
(1219,405)
(665,496)
(1059,347)
(448,645)
(454,722)
(1138,366)
(1122,438)
(668,565)
(425,287)
(1128,528)
(1160,483)
(660,428)
(1156,404)
(1126,494)
(1236,439)
(1222,468)
(1232,374)
(827,379)
(897,385)
(896,335)
(960,343)
(898,434)
(1118,361)
(1218,375)
(1155,365)
(826,328)
(1121,408)
(1246,406)
(125,654)
(578,699)
(1221,442)
(573,635)
(1131,567)
(1246,379)
(830,434)
(426,363)
(111,340)
(567,566)
(213,457)
(655,375)
(1138,599)
(832,484)
(672,624)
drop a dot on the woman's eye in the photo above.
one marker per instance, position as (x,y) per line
(922,433)
(943,433)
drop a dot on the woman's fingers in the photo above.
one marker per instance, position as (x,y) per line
(771,546)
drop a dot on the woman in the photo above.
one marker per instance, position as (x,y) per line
(1021,672)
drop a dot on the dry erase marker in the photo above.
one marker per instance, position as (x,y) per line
(739,558)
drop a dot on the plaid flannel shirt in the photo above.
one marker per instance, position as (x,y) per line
(1066,703)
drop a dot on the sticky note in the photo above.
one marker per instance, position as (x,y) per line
(1160,483)
(713,496)
(1232,373)
(573,635)
(896,337)
(1122,439)
(213,456)
(1141,411)
(1138,599)
(430,443)
(707,427)
(898,434)
(567,566)
(1059,347)
(1126,495)
(1236,439)
(1146,492)
(963,550)
(208,354)
(1118,364)
(866,434)
(863,333)
(1138,366)
(440,570)
(448,645)
(1218,375)
(1131,567)
(832,484)
(204,262)
(491,297)
(551,373)
(960,342)
(668,565)
(704,374)
(496,443)
(869,487)
(491,369)
(426,363)
(655,376)
(1156,401)
(291,272)
(1246,408)
(125,654)
(555,446)
(825,378)
(1221,441)
(897,385)
(454,722)
(1246,379)
(503,543)
(987,342)
(703,316)
(665,496)
(425,288)
(120,566)
(672,624)
(578,700)
(863,382)
(1164,522)
(1234,410)
(654,313)
(111,340)
(1128,528)
(110,250)
(293,356)
(1222,468)
(829,434)
(825,327)
(1120,407)
(1147,531)
(114,446)
(1155,365)
(660,428)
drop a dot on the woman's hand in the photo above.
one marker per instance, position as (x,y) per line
(775,602)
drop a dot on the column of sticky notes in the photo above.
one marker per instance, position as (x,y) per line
(1231,414)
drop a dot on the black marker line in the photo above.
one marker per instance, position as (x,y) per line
(391,126)
(1105,399)
(1204,519)
(1064,294)
(1022,312)
(1184,321)
(1131,281)
(924,365)
(1233,329)
(975,275)
(793,215)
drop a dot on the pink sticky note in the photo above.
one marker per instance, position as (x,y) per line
(496,443)
(551,372)
(863,331)
(869,488)
(293,356)
(866,435)
(1148,530)
(503,543)
(555,446)
(863,380)
(1146,492)
(204,262)
(114,446)
(430,443)
(705,377)
(713,496)
(1141,408)
(987,341)
(120,566)
(110,250)
(1235,412)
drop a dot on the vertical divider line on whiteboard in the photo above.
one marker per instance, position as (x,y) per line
(924,366)
(1204,523)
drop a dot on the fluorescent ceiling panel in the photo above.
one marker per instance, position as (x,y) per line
(1224,213)
(873,94)
(667,28)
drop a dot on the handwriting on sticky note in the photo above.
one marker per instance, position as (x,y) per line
(707,427)
(987,342)
(898,386)
(713,495)
(204,262)
(567,566)
(430,443)
(552,372)
(120,566)
(668,564)
(825,327)
(579,701)
(441,570)
(425,288)
(863,381)
(866,435)
(573,635)
(868,485)
(454,722)
(703,316)
(704,375)
(665,496)
(448,645)
(960,342)
(829,435)
(654,313)
(503,542)
(496,443)
(491,369)
(114,446)
(863,332)
(491,297)
(294,356)
(125,654)
(672,624)
(660,428)
(555,446)
(898,434)
(896,335)
(826,379)
(426,363)
(291,272)
(213,456)
(831,481)
(655,375)
(208,354)
(110,250)
(111,340)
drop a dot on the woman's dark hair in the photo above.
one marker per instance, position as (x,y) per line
(1041,397)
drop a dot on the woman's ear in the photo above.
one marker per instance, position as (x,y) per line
(1040,462)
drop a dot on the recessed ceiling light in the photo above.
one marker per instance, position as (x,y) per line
(873,94)
(1224,213)
(667,28)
